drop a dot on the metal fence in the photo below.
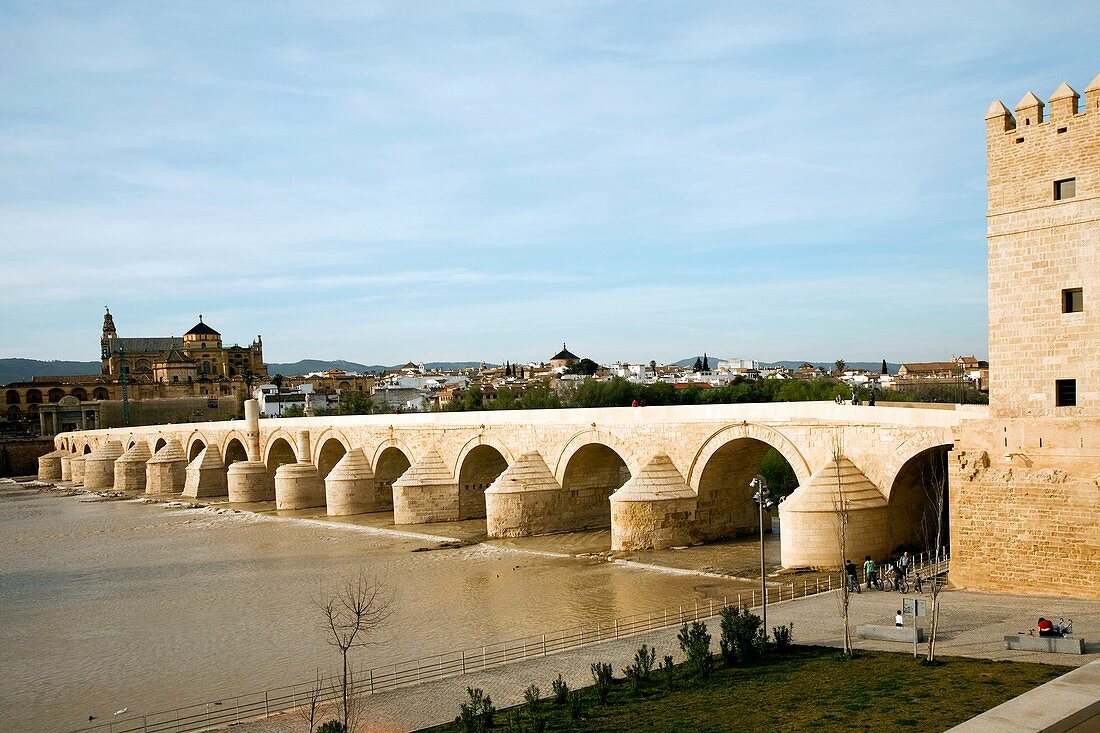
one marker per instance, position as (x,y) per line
(236,709)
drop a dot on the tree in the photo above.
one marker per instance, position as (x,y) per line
(278,380)
(934,479)
(311,709)
(698,365)
(840,365)
(354,402)
(706,362)
(653,366)
(585,367)
(840,511)
(353,612)
(294,411)
(885,370)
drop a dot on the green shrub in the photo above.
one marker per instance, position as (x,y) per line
(602,675)
(743,638)
(576,705)
(561,690)
(783,636)
(695,643)
(640,672)
(331,726)
(475,715)
(668,671)
(532,699)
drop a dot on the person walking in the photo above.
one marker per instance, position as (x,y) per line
(869,572)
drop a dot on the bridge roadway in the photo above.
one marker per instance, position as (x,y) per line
(658,476)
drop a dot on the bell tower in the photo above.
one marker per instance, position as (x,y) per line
(109,333)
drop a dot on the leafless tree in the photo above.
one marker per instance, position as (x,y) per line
(310,710)
(353,612)
(934,480)
(840,511)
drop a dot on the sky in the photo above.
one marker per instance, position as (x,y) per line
(383,182)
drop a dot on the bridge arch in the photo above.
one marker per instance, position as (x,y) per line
(739,431)
(233,448)
(328,450)
(909,449)
(87,448)
(592,467)
(911,500)
(583,438)
(161,442)
(279,450)
(196,442)
(479,464)
(391,459)
(721,471)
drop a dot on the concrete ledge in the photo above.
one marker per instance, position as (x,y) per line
(910,634)
(1069,704)
(1055,644)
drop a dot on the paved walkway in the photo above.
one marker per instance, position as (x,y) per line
(972,625)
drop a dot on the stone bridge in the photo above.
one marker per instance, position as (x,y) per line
(658,476)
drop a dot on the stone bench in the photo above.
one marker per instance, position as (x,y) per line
(910,634)
(1055,644)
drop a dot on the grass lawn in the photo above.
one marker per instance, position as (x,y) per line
(807,689)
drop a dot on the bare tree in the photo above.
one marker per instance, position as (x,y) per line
(934,480)
(840,511)
(353,612)
(310,710)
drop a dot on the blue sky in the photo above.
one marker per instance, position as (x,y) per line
(382,182)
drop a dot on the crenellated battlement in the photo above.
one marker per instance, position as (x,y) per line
(1031,113)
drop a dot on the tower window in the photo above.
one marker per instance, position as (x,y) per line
(1065,392)
(1073,300)
(1065,189)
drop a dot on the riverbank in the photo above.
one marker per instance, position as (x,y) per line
(112,603)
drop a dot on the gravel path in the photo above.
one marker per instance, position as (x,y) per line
(972,625)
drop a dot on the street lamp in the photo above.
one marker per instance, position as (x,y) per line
(763,499)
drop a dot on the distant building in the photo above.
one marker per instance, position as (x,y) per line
(563,359)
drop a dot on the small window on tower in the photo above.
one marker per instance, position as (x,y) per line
(1065,189)
(1065,392)
(1073,300)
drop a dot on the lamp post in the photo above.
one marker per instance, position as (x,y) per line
(763,499)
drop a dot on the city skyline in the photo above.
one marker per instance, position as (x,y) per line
(374,184)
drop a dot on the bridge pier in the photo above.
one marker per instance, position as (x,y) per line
(67,467)
(525,500)
(654,510)
(130,468)
(350,488)
(76,469)
(206,475)
(166,471)
(810,518)
(298,485)
(49,466)
(426,492)
(249,481)
(99,466)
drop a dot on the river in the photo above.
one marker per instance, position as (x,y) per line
(106,605)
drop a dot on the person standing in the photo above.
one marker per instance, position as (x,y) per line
(904,563)
(869,571)
(850,573)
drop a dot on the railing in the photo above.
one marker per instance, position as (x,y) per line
(239,708)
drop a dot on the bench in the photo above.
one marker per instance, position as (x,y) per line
(910,634)
(1055,644)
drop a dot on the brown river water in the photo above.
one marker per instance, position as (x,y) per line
(106,605)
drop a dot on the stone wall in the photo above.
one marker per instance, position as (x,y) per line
(20,457)
(1025,503)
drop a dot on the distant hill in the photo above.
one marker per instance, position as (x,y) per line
(306,366)
(23,370)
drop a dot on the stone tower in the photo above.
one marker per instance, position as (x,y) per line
(109,333)
(1044,255)
(1023,491)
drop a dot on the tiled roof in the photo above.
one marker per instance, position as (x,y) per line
(145,345)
